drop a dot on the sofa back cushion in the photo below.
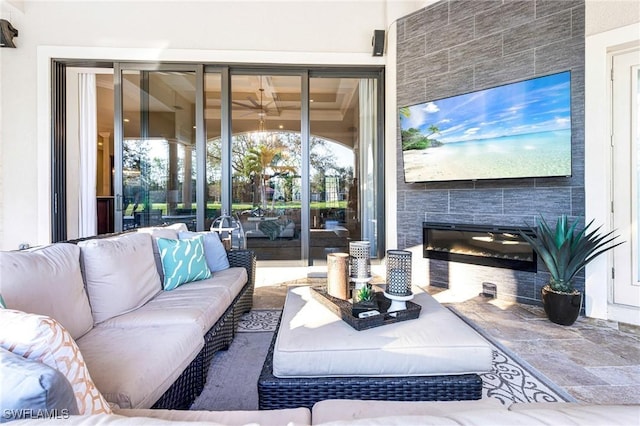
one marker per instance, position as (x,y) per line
(120,274)
(43,339)
(47,281)
(170,232)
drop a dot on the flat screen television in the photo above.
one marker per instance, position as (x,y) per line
(518,130)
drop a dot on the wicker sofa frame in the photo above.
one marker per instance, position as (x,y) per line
(283,392)
(191,381)
(189,385)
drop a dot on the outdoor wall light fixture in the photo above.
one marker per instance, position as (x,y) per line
(7,33)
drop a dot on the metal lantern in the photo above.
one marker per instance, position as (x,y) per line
(399,272)
(360,259)
(230,230)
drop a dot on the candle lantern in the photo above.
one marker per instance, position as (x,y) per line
(398,279)
(338,275)
(399,272)
(360,259)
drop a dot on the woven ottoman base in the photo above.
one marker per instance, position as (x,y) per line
(277,393)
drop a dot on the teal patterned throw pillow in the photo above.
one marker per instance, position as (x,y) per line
(2,304)
(183,261)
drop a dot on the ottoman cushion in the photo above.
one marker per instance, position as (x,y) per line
(314,342)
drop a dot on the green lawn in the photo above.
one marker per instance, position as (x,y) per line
(315,205)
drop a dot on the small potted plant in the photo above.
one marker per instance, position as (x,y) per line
(364,300)
(565,252)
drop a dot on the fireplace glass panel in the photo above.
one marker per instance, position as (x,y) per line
(490,246)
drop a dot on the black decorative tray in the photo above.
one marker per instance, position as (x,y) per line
(342,308)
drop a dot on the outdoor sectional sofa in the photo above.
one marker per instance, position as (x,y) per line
(373,413)
(143,346)
(62,362)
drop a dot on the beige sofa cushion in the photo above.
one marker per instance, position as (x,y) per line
(200,302)
(170,232)
(120,274)
(332,410)
(603,415)
(580,413)
(288,416)
(187,304)
(47,281)
(109,420)
(231,279)
(133,367)
(314,342)
(482,412)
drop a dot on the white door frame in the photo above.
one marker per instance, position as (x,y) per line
(624,290)
(598,174)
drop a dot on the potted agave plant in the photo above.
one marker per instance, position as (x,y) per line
(364,300)
(566,251)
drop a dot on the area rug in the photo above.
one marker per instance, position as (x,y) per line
(259,320)
(233,375)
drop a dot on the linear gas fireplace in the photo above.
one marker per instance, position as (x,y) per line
(496,246)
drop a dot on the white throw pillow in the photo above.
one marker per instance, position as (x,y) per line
(120,274)
(43,339)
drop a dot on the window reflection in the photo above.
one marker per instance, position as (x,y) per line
(158,181)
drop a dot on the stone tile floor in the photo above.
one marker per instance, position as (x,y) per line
(595,361)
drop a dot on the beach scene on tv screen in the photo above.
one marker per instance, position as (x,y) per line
(513,131)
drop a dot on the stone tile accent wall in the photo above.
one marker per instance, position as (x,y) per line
(459,46)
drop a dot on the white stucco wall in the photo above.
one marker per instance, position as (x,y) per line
(278,32)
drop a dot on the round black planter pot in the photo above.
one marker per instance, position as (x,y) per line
(359,307)
(561,308)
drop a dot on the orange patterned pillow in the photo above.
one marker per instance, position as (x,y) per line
(41,338)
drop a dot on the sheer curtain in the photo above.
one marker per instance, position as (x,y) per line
(368,142)
(87,218)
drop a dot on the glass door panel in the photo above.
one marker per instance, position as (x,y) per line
(342,143)
(158,148)
(266,163)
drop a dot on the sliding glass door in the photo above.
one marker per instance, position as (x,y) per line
(156,146)
(294,154)
(266,163)
(344,194)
